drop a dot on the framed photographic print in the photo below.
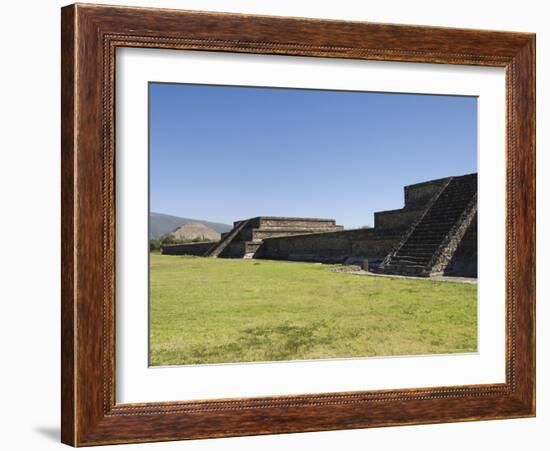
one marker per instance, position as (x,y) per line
(279,225)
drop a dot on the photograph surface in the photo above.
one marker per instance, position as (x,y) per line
(299,224)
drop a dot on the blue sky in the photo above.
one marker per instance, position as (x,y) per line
(224,153)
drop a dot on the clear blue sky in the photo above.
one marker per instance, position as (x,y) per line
(226,153)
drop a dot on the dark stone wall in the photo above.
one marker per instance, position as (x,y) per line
(187,249)
(239,249)
(330,247)
(464,261)
(421,193)
(396,219)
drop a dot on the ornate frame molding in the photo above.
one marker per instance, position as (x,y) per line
(90,36)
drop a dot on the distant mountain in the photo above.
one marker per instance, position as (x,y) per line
(195,231)
(161,224)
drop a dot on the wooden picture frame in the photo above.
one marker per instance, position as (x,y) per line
(90,36)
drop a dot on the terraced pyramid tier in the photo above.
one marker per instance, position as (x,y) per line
(246,237)
(425,246)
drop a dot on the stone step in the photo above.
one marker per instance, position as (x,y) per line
(427,221)
(410,261)
(414,246)
(440,217)
(410,269)
(456,197)
(457,208)
(411,265)
(401,263)
(427,234)
(408,253)
(434,230)
(419,246)
(415,249)
(454,190)
(411,257)
(445,220)
(415,252)
(457,200)
(440,213)
(416,240)
(435,225)
(456,193)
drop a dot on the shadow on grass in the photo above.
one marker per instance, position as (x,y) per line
(261,343)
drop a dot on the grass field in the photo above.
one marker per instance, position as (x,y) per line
(205,310)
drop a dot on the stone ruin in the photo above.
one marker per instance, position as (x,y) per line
(435,233)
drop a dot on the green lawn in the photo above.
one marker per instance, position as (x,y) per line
(206,310)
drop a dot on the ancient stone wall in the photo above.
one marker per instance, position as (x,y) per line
(464,261)
(247,235)
(330,247)
(421,193)
(396,219)
(187,249)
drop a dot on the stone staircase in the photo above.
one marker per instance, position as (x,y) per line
(226,240)
(429,244)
